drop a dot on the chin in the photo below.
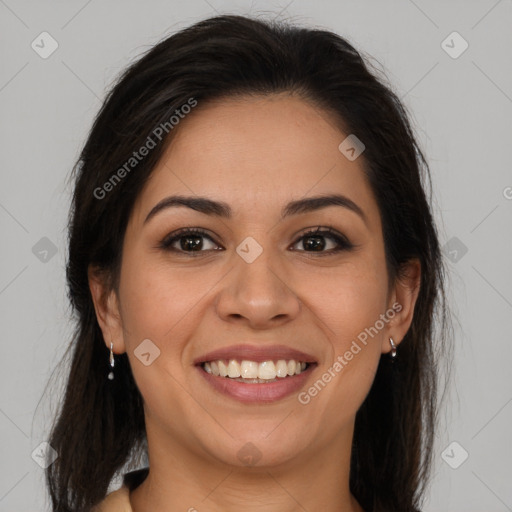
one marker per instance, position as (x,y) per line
(250,449)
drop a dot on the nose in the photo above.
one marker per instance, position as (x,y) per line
(258,294)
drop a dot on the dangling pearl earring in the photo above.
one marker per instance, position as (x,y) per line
(111,374)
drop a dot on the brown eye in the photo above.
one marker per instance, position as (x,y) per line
(194,241)
(315,241)
(188,240)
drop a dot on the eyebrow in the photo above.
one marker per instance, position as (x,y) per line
(223,210)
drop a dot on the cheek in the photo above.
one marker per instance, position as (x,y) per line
(350,300)
(350,297)
(160,304)
(158,299)
(164,304)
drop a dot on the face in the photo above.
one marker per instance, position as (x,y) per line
(253,274)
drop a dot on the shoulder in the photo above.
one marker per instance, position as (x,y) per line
(117,501)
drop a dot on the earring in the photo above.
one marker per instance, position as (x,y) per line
(111,374)
(393,349)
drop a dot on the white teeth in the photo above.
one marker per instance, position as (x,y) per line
(249,370)
(281,368)
(223,369)
(264,371)
(233,369)
(267,370)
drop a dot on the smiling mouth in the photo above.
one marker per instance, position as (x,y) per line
(253,372)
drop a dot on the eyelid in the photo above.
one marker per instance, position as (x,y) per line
(169,239)
(344,244)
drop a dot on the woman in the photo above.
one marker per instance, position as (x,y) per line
(256,274)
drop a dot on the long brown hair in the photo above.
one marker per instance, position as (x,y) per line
(100,424)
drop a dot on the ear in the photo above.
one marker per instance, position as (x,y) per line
(403,299)
(106,305)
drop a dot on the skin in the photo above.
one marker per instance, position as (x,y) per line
(256,154)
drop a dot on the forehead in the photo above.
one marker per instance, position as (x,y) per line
(256,153)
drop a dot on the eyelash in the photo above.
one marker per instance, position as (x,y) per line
(343,243)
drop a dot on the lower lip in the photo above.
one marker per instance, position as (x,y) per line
(258,393)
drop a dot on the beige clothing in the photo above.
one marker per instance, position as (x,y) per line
(119,501)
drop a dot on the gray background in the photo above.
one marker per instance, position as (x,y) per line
(461,109)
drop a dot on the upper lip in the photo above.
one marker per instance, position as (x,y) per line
(257,353)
